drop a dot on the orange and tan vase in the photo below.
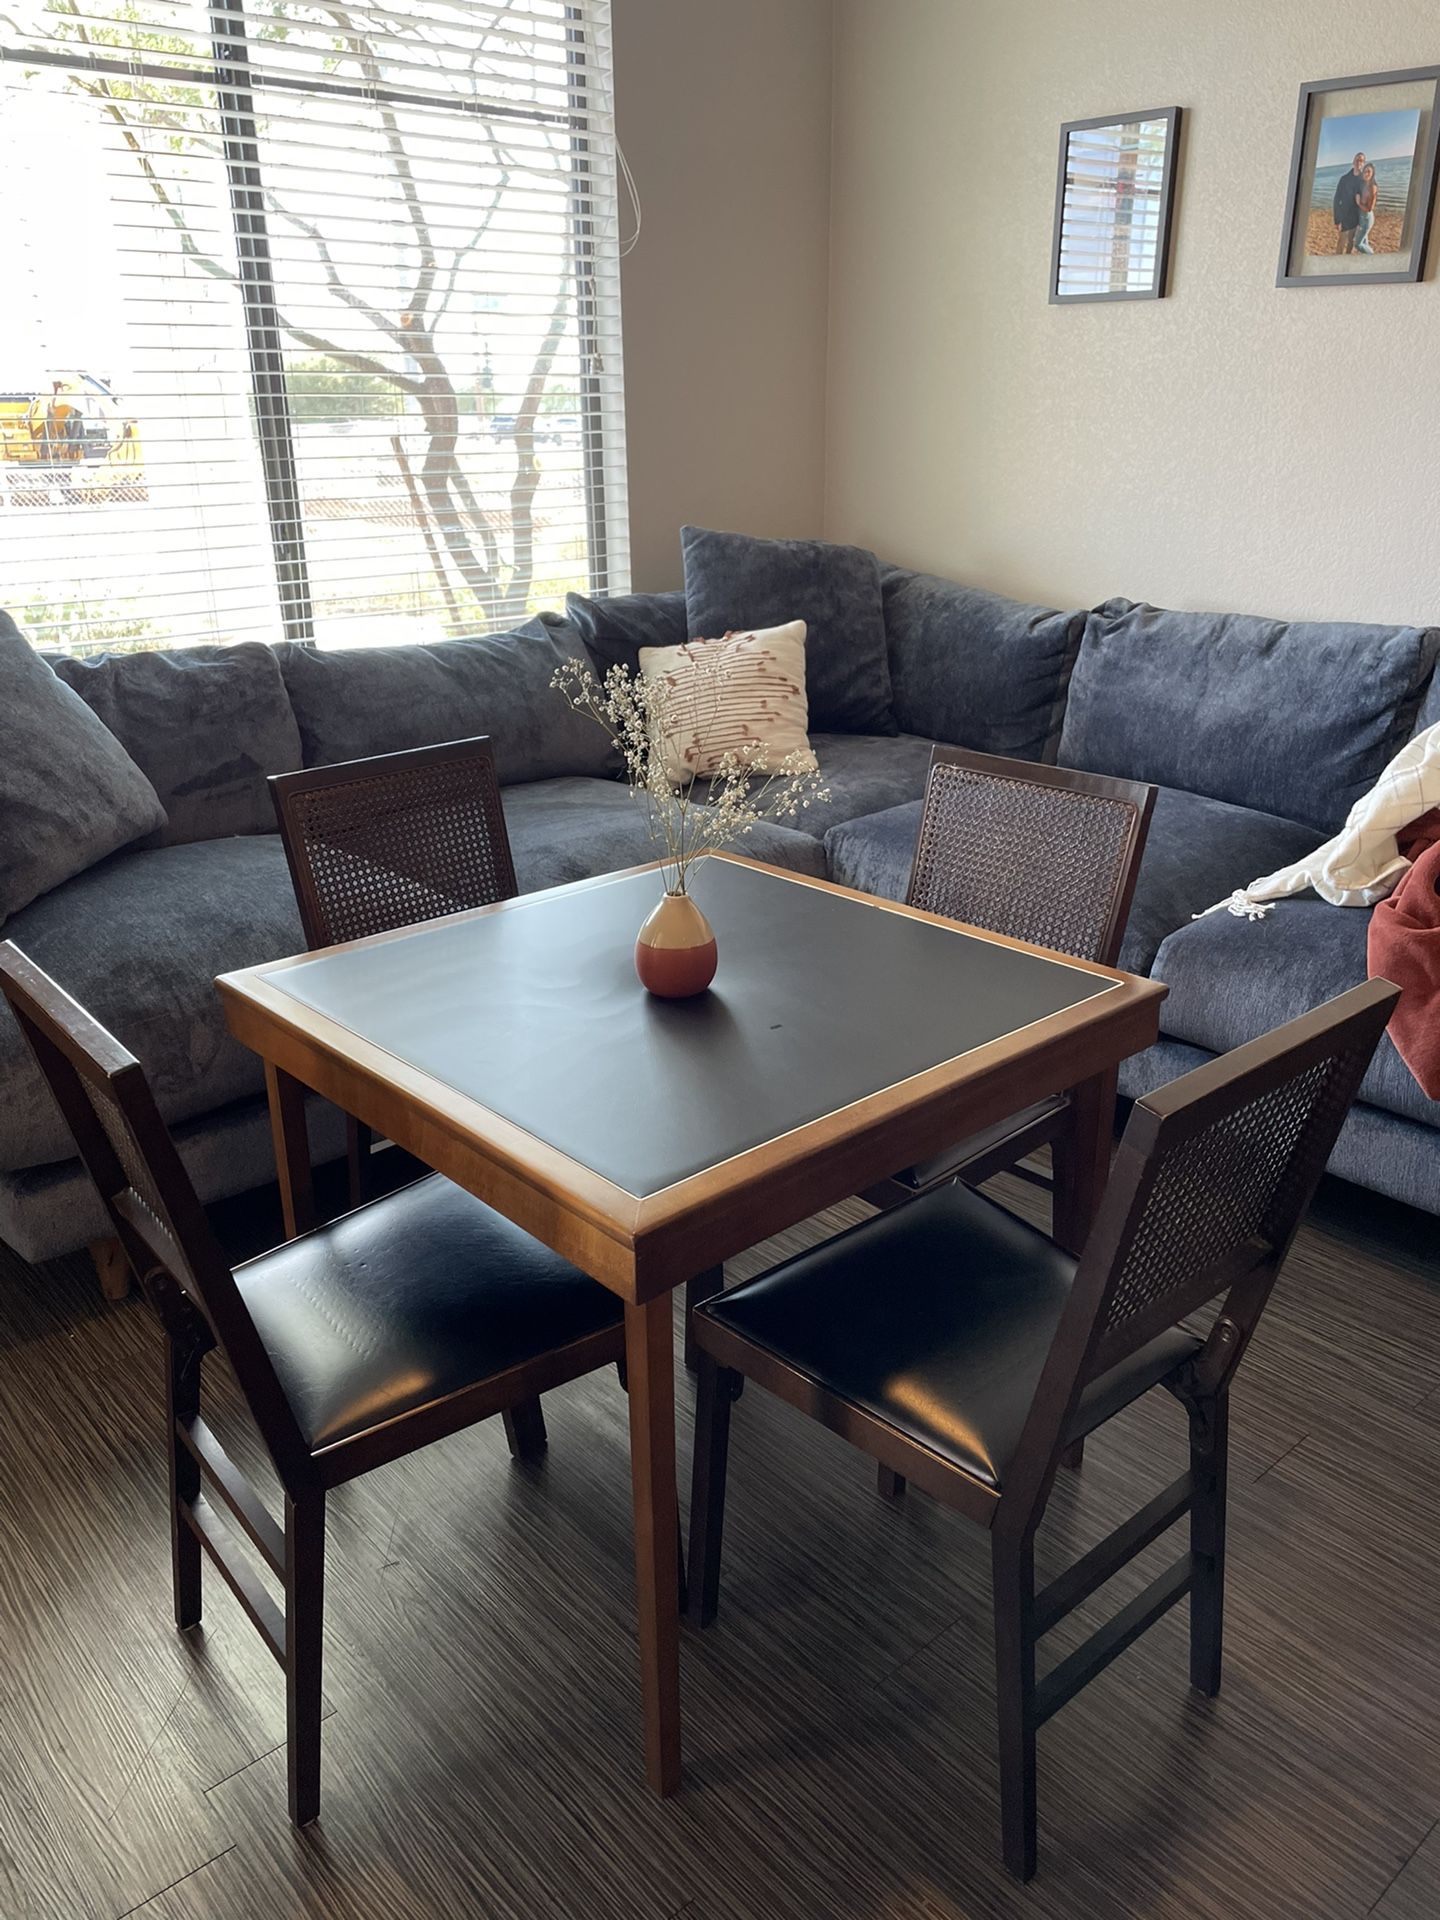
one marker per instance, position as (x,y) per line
(675,954)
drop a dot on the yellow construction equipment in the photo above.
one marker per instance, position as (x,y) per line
(73,437)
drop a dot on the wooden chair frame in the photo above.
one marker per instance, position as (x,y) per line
(172,1250)
(290,792)
(1341,1036)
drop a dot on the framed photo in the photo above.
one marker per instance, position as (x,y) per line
(1112,207)
(1362,180)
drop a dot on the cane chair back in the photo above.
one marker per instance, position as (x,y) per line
(1036,853)
(1212,1179)
(101,1089)
(395,840)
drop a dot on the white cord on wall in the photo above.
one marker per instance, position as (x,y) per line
(627,181)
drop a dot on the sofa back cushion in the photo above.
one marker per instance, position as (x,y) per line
(1296,718)
(614,629)
(1429,715)
(977,670)
(206,725)
(735,583)
(352,702)
(69,792)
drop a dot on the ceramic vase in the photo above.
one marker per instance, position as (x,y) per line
(675,955)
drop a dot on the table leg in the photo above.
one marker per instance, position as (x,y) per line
(650,1376)
(292,1150)
(1081,1160)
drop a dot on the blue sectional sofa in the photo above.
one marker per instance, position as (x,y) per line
(1259,735)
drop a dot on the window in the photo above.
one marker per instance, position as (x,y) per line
(311,328)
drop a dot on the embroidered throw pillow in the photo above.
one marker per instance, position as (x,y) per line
(743,694)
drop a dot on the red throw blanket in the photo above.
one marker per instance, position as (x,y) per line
(1404,946)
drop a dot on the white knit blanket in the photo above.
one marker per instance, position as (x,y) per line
(1363,863)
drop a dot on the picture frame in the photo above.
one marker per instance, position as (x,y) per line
(1114,207)
(1390,122)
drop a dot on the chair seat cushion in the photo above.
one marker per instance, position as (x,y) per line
(407,1300)
(1231,980)
(937,1318)
(941,1166)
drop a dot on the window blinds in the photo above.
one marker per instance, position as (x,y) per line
(312,318)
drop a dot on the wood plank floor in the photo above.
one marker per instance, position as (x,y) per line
(482,1754)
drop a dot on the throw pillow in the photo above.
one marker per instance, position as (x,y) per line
(744,694)
(69,792)
(206,725)
(352,702)
(614,629)
(735,583)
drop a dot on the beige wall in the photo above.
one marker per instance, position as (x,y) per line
(724,115)
(1234,445)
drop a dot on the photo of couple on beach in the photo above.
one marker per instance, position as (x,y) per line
(1362,183)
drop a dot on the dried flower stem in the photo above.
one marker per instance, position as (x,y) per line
(644,718)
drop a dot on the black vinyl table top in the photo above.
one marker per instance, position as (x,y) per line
(821,1000)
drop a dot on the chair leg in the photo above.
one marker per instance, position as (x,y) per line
(1074,1455)
(357,1159)
(890,1485)
(112,1269)
(707,1490)
(304,1646)
(1013,1577)
(182,1403)
(525,1429)
(1209,1451)
(704,1286)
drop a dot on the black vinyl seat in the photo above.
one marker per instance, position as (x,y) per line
(407,1301)
(936,1318)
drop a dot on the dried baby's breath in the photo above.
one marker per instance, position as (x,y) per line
(640,716)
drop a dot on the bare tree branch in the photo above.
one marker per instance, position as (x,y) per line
(459,534)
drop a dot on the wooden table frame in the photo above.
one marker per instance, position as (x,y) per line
(642,1249)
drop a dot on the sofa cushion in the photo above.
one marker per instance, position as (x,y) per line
(69,792)
(1232,979)
(1429,715)
(615,628)
(51,1210)
(138,941)
(864,772)
(352,702)
(875,853)
(1296,718)
(734,581)
(975,669)
(570,829)
(206,725)
(1197,852)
